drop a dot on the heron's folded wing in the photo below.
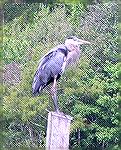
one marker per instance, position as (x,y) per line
(49,66)
(44,59)
(50,54)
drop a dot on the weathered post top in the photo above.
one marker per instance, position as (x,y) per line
(58,129)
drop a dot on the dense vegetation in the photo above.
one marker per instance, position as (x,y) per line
(91,94)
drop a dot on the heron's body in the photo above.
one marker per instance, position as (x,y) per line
(53,65)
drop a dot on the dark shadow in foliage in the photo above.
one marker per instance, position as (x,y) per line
(12,11)
(16,9)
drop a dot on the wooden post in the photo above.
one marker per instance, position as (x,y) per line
(58,128)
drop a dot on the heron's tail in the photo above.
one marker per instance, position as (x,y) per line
(37,85)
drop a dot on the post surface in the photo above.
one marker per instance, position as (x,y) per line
(58,128)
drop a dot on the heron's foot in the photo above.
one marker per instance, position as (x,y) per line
(59,112)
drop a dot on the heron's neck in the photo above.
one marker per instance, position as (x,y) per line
(73,48)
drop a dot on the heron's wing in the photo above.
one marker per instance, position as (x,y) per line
(51,53)
(45,58)
(48,66)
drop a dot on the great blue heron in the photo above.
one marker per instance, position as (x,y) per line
(53,64)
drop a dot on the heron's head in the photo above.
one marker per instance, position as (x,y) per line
(73,41)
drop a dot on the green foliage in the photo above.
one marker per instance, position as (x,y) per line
(91,94)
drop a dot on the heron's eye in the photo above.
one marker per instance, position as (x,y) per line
(74,39)
(71,37)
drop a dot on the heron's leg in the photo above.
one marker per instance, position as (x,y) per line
(54,94)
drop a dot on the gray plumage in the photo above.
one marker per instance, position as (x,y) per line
(49,66)
(53,64)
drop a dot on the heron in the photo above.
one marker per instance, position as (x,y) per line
(53,65)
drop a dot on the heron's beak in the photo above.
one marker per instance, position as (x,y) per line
(83,42)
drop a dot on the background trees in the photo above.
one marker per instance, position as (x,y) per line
(92,91)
